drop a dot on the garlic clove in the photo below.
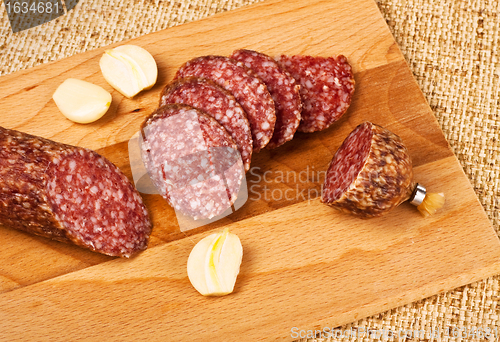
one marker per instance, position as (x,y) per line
(229,263)
(129,69)
(81,101)
(212,269)
(214,263)
(195,269)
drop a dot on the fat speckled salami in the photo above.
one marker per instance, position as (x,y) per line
(326,88)
(283,89)
(192,160)
(249,91)
(214,100)
(69,194)
(370,173)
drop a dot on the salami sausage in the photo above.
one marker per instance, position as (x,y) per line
(214,100)
(283,89)
(69,194)
(249,91)
(326,88)
(370,173)
(192,160)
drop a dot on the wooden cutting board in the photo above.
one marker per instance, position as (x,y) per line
(305,266)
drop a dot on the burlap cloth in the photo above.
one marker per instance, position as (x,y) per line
(452,48)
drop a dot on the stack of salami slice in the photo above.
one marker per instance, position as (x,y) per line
(242,103)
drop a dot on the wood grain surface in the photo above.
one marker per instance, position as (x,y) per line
(304,265)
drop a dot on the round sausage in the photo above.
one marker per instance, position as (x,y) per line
(214,100)
(370,174)
(326,88)
(249,91)
(283,89)
(69,194)
(192,160)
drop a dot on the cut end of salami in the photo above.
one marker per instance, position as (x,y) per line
(347,163)
(207,96)
(326,88)
(284,91)
(370,174)
(251,93)
(192,160)
(96,204)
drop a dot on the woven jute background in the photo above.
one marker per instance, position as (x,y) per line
(452,48)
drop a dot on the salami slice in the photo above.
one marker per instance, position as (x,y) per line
(326,88)
(283,89)
(219,103)
(192,160)
(69,194)
(249,91)
(370,173)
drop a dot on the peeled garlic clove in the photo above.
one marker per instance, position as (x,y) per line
(81,101)
(214,263)
(196,260)
(129,69)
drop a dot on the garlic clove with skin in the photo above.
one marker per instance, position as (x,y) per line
(81,101)
(129,69)
(214,263)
